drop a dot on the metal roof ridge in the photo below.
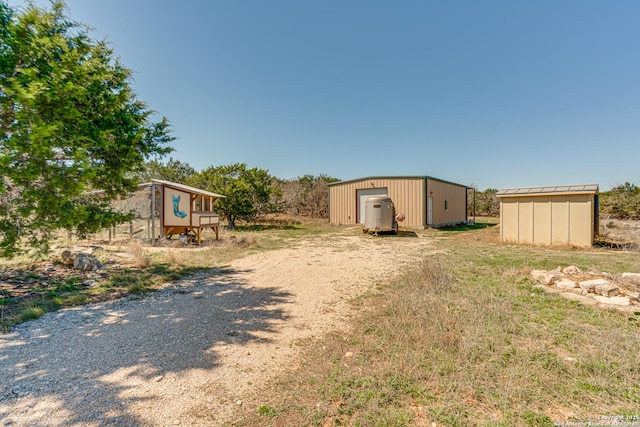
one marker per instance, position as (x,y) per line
(398,177)
(186,188)
(549,189)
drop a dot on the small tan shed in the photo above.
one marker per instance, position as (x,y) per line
(424,201)
(554,215)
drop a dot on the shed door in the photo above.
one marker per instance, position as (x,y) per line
(362,197)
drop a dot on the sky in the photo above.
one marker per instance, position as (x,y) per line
(491,94)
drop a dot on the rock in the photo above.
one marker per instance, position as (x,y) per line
(67,257)
(634,296)
(590,285)
(580,298)
(607,289)
(545,277)
(633,277)
(612,300)
(86,262)
(566,284)
(572,269)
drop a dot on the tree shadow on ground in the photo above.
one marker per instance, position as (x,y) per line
(100,356)
(266,227)
(468,227)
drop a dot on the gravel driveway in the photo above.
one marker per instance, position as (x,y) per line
(192,353)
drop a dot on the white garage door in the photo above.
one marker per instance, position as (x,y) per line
(362,197)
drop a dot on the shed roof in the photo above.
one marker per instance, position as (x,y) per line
(186,188)
(552,189)
(396,177)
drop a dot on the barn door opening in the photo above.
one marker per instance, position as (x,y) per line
(430,211)
(362,195)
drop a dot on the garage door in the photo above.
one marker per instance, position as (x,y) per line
(362,197)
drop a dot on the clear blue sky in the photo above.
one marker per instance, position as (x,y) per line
(491,93)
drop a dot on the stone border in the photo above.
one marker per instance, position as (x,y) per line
(621,292)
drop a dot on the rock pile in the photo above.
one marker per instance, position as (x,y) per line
(618,291)
(81,261)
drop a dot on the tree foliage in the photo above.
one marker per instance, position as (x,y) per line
(69,123)
(307,195)
(484,203)
(621,202)
(248,191)
(173,170)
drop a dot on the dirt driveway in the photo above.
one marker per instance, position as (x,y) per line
(193,353)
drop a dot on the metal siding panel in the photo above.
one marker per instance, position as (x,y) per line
(559,220)
(509,220)
(456,200)
(525,220)
(580,227)
(542,220)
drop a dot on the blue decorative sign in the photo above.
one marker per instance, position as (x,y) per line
(176,210)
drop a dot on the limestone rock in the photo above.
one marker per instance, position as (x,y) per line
(572,269)
(634,296)
(566,284)
(86,262)
(545,277)
(607,289)
(612,300)
(590,285)
(633,277)
(67,257)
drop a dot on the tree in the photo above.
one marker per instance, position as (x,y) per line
(248,191)
(69,123)
(172,170)
(486,202)
(307,195)
(621,202)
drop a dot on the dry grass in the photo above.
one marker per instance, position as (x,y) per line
(464,339)
(141,258)
(131,268)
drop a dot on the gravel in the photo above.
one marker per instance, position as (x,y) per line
(194,352)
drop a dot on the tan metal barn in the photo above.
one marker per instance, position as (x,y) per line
(425,201)
(554,215)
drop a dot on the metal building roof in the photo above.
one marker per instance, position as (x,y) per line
(186,188)
(557,189)
(396,177)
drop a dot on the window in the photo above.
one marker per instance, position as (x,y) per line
(446,205)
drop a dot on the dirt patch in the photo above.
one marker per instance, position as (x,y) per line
(193,353)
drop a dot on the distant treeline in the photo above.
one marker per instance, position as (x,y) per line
(251,192)
(622,202)
(309,195)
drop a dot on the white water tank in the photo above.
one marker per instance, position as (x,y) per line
(379,215)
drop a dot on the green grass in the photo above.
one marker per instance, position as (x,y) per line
(465,339)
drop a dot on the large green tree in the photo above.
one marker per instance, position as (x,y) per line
(621,202)
(172,170)
(69,123)
(307,195)
(248,190)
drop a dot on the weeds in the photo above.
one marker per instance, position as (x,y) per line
(464,339)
